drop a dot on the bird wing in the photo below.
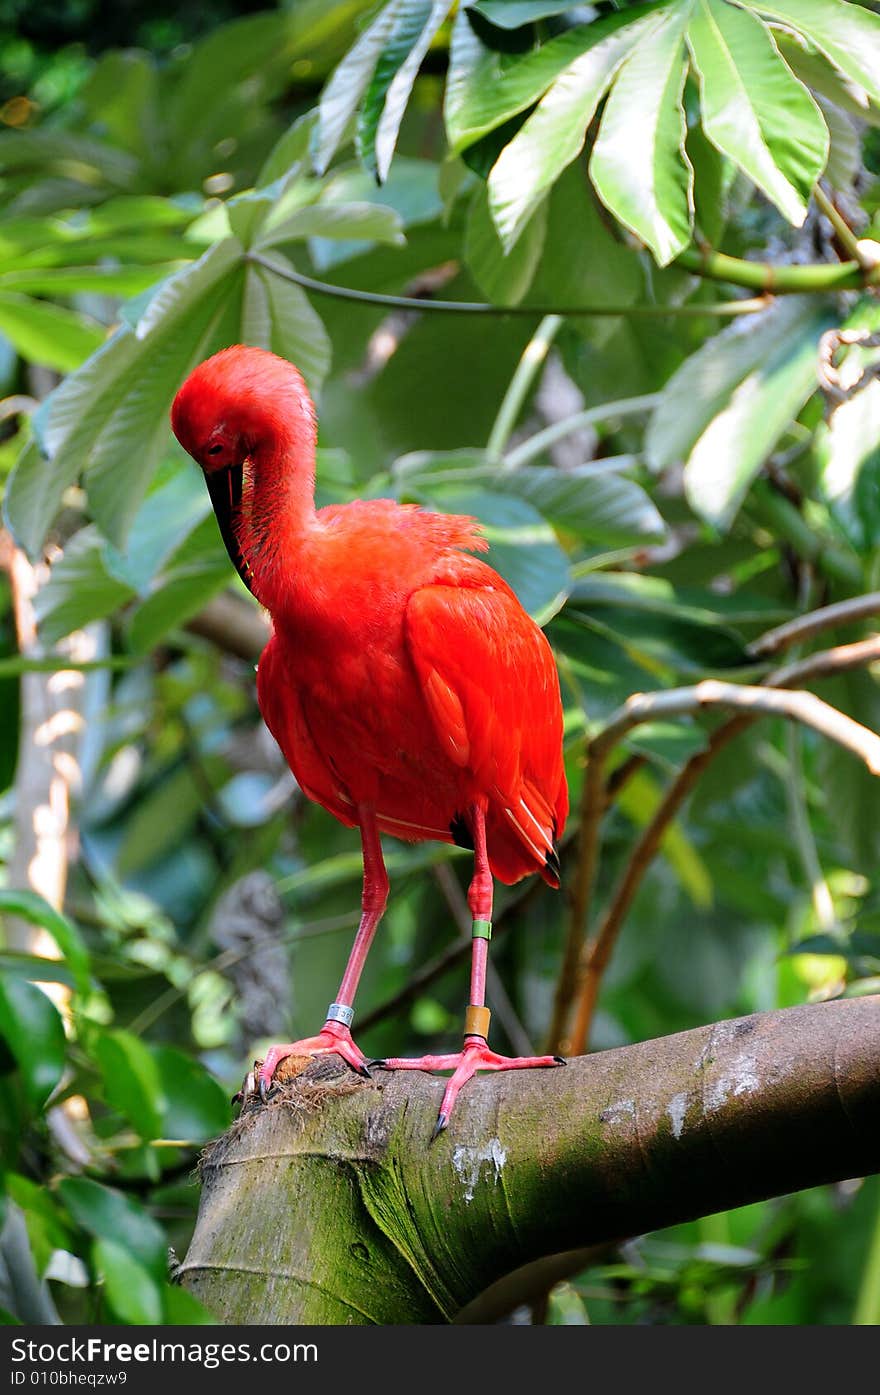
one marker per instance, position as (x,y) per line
(491,687)
(283,715)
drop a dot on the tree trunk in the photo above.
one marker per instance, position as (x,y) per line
(330,1205)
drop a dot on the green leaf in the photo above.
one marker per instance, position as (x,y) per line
(824,80)
(48,334)
(844,164)
(160,821)
(368,222)
(197,571)
(131,1292)
(389,90)
(848,448)
(603,508)
(511,14)
(37,911)
(132,1083)
(754,109)
(34,1033)
(701,388)
(196,1106)
(278,315)
(349,82)
(72,280)
(554,134)
(176,504)
(108,1215)
(109,419)
(36,969)
(503,277)
(638,799)
(583,262)
(48,150)
(80,588)
(45,1228)
(410,191)
(684,639)
(638,166)
(847,34)
(485,89)
(32,498)
(730,452)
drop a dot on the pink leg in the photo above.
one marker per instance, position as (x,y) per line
(335,1035)
(475,1054)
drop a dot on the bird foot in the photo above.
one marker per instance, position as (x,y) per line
(333,1037)
(475,1055)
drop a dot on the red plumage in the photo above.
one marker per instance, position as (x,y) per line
(403,677)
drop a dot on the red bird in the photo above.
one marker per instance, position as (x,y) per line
(410,692)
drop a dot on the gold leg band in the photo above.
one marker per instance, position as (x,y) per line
(476,1021)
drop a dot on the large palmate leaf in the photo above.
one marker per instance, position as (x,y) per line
(555,132)
(340,98)
(392,82)
(847,34)
(638,165)
(519,109)
(744,86)
(108,422)
(486,88)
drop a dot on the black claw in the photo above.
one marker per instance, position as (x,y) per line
(377,1065)
(560,1060)
(442,1121)
(237,1098)
(363,1070)
(264,1090)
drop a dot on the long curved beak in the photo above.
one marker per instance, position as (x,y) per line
(225,488)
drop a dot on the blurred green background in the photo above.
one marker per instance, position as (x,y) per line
(148,826)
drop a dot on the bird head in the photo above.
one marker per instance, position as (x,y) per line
(243,407)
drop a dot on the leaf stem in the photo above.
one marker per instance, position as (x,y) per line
(534,356)
(812,279)
(845,235)
(725,309)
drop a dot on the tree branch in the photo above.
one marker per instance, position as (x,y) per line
(331,1206)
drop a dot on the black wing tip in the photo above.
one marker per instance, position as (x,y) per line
(552,863)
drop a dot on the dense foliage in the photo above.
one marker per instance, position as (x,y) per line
(662,476)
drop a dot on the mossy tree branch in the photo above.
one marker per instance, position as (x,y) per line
(330,1205)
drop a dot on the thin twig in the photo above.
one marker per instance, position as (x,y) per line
(542,440)
(805,626)
(845,235)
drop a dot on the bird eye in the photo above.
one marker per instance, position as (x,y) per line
(215,450)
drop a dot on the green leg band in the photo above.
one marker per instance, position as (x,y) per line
(482,929)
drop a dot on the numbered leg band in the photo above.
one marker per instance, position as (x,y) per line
(340,1012)
(482,929)
(476,1021)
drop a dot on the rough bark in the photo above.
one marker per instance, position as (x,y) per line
(331,1206)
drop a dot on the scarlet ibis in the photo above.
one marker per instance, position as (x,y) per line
(409,691)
